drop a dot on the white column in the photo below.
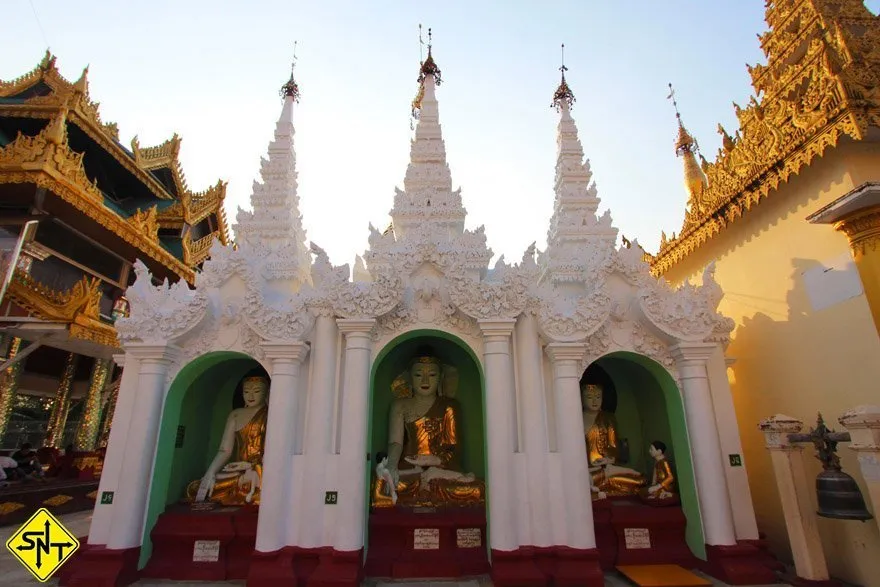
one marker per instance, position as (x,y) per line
(534,428)
(797,507)
(284,361)
(318,443)
(352,494)
(142,435)
(99,531)
(709,463)
(566,359)
(499,432)
(863,424)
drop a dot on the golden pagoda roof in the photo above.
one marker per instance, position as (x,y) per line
(43,93)
(820,84)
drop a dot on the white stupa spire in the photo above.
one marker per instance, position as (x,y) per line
(426,212)
(576,234)
(274,226)
(427,195)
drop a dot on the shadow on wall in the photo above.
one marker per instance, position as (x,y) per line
(821,357)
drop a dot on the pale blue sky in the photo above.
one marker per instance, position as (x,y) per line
(211,72)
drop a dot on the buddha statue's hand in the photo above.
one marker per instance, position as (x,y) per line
(424,460)
(206,486)
(603,462)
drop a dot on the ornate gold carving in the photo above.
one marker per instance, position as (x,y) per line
(78,306)
(57,500)
(144,221)
(863,231)
(92,494)
(7,507)
(821,82)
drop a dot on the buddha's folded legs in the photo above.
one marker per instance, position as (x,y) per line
(618,484)
(412,492)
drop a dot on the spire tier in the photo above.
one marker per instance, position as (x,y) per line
(274,226)
(576,233)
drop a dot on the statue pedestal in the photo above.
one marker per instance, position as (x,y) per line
(629,532)
(212,545)
(444,543)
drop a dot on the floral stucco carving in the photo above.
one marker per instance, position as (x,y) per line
(160,313)
(689,313)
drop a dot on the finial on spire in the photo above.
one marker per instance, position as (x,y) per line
(291,88)
(685,143)
(563,93)
(428,66)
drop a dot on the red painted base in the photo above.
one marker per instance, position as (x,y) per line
(764,554)
(577,568)
(97,566)
(338,569)
(271,569)
(737,565)
(394,553)
(175,534)
(666,528)
(523,567)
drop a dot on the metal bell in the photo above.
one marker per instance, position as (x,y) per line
(839,497)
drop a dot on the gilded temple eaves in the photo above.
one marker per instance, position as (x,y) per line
(43,93)
(821,82)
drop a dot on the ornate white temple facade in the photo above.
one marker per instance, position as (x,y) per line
(532,328)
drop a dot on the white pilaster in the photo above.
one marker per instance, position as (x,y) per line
(285,360)
(863,424)
(500,432)
(354,405)
(319,434)
(142,435)
(99,531)
(797,507)
(534,428)
(744,521)
(691,360)
(566,360)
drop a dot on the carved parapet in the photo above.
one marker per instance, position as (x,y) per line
(196,252)
(78,306)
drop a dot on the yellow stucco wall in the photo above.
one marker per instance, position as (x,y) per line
(790,357)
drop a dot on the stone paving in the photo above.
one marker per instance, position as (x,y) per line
(12,573)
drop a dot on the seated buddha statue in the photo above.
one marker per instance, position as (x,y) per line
(423,455)
(600,427)
(662,485)
(234,476)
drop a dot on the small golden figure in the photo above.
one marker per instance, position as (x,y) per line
(663,480)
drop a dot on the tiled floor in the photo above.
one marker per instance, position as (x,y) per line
(12,573)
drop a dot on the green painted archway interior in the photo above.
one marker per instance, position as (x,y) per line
(193,418)
(395,358)
(649,408)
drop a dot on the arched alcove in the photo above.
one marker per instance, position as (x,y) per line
(193,417)
(649,407)
(395,358)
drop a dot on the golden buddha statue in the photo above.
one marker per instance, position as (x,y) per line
(600,427)
(663,480)
(235,475)
(423,458)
